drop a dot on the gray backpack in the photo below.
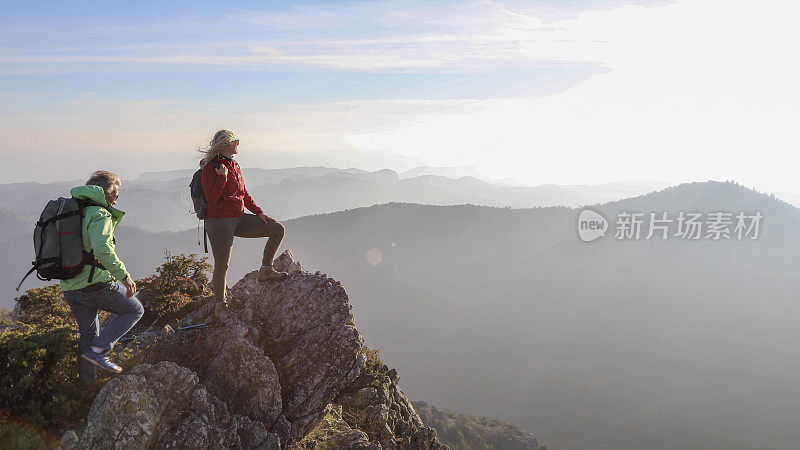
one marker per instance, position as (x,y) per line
(199,199)
(58,242)
(198,195)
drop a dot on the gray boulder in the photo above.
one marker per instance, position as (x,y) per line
(165,406)
(231,366)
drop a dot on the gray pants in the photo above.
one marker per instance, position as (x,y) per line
(85,304)
(221,231)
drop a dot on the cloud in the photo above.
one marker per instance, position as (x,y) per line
(691,90)
(355,37)
(698,90)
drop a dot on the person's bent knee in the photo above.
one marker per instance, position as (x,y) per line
(135,307)
(279,229)
(138,308)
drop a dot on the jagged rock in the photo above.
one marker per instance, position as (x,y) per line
(375,404)
(231,367)
(462,431)
(285,262)
(305,326)
(165,406)
(285,358)
(279,355)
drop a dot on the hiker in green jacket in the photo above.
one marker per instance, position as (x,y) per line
(111,288)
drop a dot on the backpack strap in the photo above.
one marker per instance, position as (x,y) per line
(40,223)
(205,237)
(84,203)
(88,258)
(216,164)
(26,275)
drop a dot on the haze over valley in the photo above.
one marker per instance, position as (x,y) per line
(504,312)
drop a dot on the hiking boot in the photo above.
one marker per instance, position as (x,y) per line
(267,273)
(101,360)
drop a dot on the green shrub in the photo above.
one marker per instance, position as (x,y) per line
(176,283)
(5,317)
(374,367)
(39,349)
(23,436)
(38,368)
(43,306)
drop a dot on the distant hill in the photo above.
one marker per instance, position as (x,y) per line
(450,172)
(465,432)
(13,225)
(159,201)
(612,344)
(617,190)
(264,175)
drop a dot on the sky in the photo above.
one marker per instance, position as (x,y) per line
(568,92)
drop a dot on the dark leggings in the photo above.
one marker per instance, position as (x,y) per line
(221,231)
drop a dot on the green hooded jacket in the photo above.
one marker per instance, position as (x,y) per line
(97,228)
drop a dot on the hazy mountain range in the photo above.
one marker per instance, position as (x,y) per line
(159,201)
(506,313)
(13,225)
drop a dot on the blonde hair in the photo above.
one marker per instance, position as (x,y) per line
(217,144)
(104,179)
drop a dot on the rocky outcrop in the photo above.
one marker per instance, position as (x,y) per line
(370,413)
(374,403)
(284,363)
(305,327)
(260,373)
(462,431)
(165,406)
(230,366)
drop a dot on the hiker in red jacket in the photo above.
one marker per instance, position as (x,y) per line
(227,198)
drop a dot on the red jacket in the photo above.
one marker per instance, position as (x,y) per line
(226,194)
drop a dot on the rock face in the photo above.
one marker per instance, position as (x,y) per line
(374,403)
(462,431)
(258,376)
(230,366)
(305,327)
(372,413)
(165,406)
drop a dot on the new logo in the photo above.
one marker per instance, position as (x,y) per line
(591,225)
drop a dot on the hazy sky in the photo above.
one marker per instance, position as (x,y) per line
(560,92)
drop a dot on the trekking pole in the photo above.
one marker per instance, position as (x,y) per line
(131,336)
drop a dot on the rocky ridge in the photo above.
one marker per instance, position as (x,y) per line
(283,368)
(373,412)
